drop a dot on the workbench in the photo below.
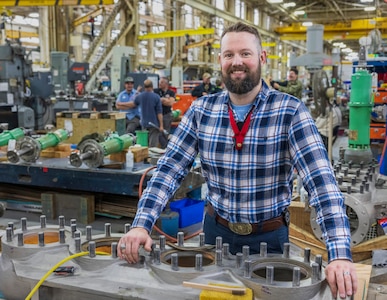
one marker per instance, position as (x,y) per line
(59,174)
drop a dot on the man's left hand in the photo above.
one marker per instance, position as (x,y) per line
(341,277)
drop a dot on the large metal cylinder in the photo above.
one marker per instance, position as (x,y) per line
(360,107)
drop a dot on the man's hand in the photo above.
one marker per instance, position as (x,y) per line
(341,277)
(130,243)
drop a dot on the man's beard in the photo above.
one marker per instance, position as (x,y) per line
(242,86)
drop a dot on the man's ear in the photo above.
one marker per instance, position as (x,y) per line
(263,56)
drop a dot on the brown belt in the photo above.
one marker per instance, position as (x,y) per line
(248,228)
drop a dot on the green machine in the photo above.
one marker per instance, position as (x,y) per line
(8,135)
(93,153)
(28,149)
(360,108)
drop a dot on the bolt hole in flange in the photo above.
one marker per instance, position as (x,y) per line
(101,245)
(280,273)
(187,258)
(49,238)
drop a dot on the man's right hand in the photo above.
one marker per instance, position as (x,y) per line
(130,243)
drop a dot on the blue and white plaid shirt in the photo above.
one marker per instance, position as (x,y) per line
(254,183)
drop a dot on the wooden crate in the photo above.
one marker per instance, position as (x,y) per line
(59,151)
(82,127)
(80,207)
(139,154)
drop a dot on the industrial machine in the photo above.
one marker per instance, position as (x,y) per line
(356,171)
(13,134)
(62,262)
(14,70)
(28,148)
(93,153)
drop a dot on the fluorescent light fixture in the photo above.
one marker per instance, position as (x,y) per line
(289,4)
(370,8)
(275,1)
(299,12)
(347,50)
(307,24)
(366,1)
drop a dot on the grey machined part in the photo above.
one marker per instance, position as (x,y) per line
(91,153)
(27,148)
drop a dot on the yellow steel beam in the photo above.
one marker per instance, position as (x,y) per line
(330,36)
(355,25)
(176,33)
(198,44)
(86,17)
(54,2)
(14,34)
(351,30)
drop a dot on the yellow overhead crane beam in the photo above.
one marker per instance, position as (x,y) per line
(350,31)
(176,33)
(14,34)
(54,2)
(86,17)
(199,44)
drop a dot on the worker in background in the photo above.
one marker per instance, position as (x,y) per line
(219,86)
(205,88)
(167,97)
(292,86)
(151,113)
(249,140)
(123,104)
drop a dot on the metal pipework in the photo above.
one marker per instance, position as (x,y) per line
(28,149)
(93,153)
(8,135)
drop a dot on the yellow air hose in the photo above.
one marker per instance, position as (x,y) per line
(36,287)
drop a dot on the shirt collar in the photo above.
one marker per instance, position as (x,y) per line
(263,94)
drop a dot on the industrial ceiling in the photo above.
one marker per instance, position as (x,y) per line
(291,14)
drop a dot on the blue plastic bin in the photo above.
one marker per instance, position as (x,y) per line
(190,211)
(169,222)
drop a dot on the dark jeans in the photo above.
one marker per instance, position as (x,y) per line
(274,239)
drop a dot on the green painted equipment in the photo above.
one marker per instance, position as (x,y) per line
(28,149)
(360,107)
(93,153)
(13,134)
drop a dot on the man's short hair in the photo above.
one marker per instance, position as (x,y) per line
(294,70)
(206,75)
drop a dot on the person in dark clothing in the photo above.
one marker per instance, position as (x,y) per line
(204,88)
(167,98)
(151,111)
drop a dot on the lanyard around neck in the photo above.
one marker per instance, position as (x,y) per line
(239,135)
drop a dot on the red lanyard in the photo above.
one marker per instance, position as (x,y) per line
(239,135)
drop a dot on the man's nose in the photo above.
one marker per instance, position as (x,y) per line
(237,60)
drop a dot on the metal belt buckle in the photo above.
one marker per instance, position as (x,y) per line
(241,228)
(287,217)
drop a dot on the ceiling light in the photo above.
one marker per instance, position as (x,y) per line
(365,1)
(347,50)
(289,4)
(299,12)
(370,8)
(307,24)
(275,1)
